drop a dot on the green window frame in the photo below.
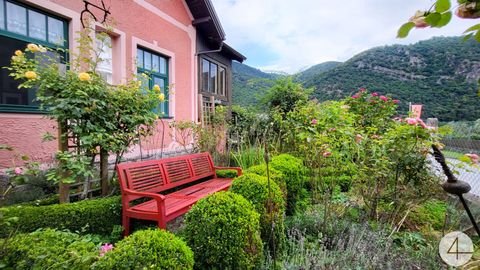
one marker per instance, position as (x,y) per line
(156,67)
(36,29)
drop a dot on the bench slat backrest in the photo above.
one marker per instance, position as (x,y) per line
(160,175)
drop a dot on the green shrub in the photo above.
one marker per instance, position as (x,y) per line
(295,173)
(90,216)
(255,188)
(275,175)
(152,249)
(49,249)
(223,231)
(227,173)
(430,214)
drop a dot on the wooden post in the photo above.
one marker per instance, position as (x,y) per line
(63,189)
(104,172)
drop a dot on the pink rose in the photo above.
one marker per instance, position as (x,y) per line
(18,171)
(327,154)
(358,138)
(355,96)
(422,124)
(384,98)
(396,101)
(411,121)
(363,90)
(105,248)
(473,157)
(314,121)
(374,94)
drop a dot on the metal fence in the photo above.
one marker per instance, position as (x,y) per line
(454,151)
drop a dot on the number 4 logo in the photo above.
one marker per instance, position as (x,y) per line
(456,249)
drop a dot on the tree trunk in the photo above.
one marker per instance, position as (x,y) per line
(104,172)
(63,189)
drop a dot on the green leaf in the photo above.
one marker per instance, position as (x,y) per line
(442,5)
(473,28)
(433,19)
(446,18)
(477,36)
(405,29)
(467,37)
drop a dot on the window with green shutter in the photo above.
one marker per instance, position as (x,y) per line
(155,67)
(19,25)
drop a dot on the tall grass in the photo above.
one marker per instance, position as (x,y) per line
(247,156)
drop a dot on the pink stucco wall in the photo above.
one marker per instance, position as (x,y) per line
(160,25)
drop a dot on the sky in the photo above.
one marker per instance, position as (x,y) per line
(292,35)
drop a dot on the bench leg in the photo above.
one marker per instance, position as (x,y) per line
(162,224)
(126,225)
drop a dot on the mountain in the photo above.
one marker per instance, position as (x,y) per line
(440,73)
(249,84)
(310,73)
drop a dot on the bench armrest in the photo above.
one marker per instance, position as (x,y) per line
(238,169)
(128,193)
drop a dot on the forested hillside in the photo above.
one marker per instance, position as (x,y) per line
(441,73)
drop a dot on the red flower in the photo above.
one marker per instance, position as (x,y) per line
(384,98)
(355,96)
(374,94)
(327,154)
(396,101)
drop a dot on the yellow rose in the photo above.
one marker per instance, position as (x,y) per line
(30,75)
(41,48)
(161,97)
(33,47)
(83,76)
(18,53)
(156,88)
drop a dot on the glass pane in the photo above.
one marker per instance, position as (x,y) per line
(148,60)
(155,63)
(139,58)
(221,82)
(162,107)
(16,19)
(205,72)
(37,25)
(163,65)
(55,31)
(2,15)
(104,47)
(213,78)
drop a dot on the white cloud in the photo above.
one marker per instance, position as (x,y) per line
(301,33)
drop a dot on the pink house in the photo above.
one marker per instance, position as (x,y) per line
(180,43)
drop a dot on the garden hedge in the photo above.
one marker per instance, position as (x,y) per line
(255,188)
(226,173)
(49,249)
(275,175)
(148,249)
(97,216)
(295,174)
(223,231)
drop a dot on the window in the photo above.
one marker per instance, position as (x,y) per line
(155,66)
(213,78)
(105,54)
(20,25)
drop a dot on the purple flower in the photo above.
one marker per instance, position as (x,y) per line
(105,248)
(18,171)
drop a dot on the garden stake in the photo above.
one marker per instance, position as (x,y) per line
(269,204)
(455,186)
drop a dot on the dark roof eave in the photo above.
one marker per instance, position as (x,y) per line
(236,55)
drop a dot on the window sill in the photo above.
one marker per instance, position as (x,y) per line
(5,108)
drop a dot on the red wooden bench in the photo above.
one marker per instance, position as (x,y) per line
(146,179)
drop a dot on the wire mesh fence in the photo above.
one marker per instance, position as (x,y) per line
(456,151)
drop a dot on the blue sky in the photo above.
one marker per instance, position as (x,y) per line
(288,36)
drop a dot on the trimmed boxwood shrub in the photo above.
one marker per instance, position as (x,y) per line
(255,189)
(223,231)
(49,249)
(148,249)
(295,173)
(275,175)
(226,173)
(97,216)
